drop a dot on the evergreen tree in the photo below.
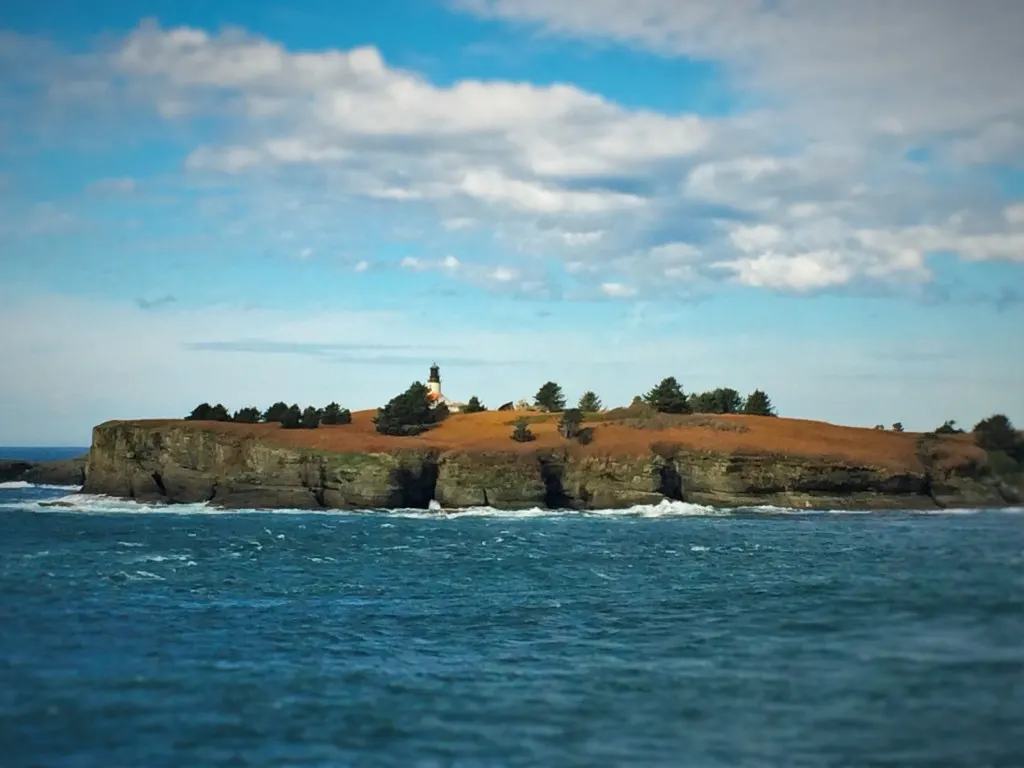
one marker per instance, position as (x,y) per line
(570,423)
(668,397)
(335,414)
(996,433)
(474,406)
(207,412)
(727,400)
(409,413)
(949,427)
(721,400)
(219,413)
(550,398)
(589,402)
(276,412)
(758,404)
(897,427)
(310,418)
(247,415)
(441,412)
(292,418)
(200,413)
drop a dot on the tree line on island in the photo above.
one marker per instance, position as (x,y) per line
(288,416)
(412,413)
(667,397)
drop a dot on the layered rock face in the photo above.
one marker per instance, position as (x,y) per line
(183,464)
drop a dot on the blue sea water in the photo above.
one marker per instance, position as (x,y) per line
(40,453)
(657,636)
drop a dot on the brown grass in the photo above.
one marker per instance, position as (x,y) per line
(490,431)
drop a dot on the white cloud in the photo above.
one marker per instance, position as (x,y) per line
(456,224)
(1014,214)
(906,68)
(579,239)
(617,290)
(503,274)
(361,266)
(803,272)
(813,191)
(756,238)
(493,187)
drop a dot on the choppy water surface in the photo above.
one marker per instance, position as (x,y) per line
(657,636)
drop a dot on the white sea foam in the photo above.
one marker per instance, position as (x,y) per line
(21,485)
(99,504)
(110,505)
(769,509)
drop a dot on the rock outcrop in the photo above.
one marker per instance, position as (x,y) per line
(63,472)
(182,463)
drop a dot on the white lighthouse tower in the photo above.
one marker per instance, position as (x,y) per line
(434,391)
(434,383)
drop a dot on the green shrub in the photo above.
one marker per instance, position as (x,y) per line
(521,432)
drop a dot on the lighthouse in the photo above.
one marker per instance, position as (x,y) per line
(434,391)
(434,383)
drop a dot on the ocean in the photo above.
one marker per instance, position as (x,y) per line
(657,636)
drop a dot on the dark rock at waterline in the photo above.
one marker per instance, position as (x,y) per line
(12,471)
(63,472)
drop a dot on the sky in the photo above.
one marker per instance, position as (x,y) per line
(245,202)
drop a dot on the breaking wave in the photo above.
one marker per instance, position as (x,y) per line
(110,505)
(21,485)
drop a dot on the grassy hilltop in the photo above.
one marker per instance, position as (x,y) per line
(622,432)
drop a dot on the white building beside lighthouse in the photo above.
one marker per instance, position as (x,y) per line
(434,391)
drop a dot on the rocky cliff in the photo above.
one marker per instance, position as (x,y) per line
(181,462)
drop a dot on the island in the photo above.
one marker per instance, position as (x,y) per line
(425,450)
(632,457)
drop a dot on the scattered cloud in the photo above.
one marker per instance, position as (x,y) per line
(37,220)
(271,347)
(453,225)
(810,191)
(157,303)
(617,290)
(898,69)
(120,186)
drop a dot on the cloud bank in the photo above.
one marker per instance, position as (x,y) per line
(821,187)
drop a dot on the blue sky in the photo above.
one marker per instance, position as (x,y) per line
(313,201)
